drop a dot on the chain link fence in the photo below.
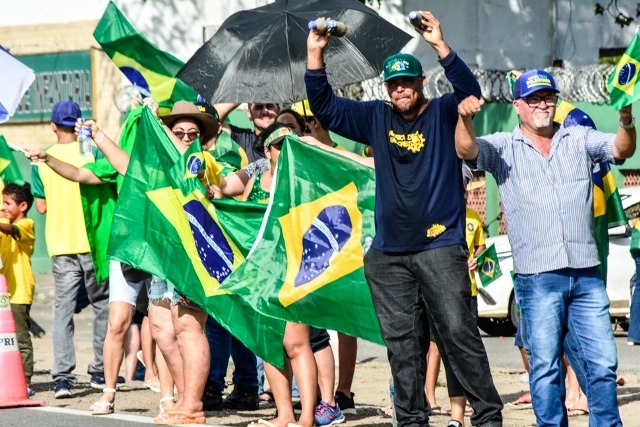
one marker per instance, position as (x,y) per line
(582,84)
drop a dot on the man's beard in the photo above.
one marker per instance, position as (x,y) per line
(542,122)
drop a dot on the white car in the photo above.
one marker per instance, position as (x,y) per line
(497,308)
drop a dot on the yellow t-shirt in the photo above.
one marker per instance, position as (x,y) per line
(65,230)
(16,261)
(475,237)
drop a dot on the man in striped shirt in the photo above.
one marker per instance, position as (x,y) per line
(544,174)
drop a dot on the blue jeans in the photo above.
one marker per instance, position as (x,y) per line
(70,272)
(634,316)
(222,345)
(568,311)
(406,289)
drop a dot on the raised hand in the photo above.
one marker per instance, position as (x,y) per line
(470,106)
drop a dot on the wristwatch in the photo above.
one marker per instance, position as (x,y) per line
(630,125)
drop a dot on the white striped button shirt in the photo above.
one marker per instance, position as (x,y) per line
(548,202)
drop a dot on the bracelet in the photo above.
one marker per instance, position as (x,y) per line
(630,125)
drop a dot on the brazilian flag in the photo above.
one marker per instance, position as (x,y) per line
(307,264)
(607,205)
(149,69)
(623,81)
(9,170)
(164,225)
(488,266)
(229,154)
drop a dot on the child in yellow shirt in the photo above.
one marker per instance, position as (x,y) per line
(17,238)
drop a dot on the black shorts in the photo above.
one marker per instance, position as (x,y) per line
(319,339)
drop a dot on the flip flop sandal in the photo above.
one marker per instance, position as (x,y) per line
(383,414)
(261,423)
(178,418)
(103,408)
(154,386)
(165,399)
(266,396)
(577,412)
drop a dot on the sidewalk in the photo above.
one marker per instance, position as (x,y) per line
(370,383)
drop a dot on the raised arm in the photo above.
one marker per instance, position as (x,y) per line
(118,158)
(466,145)
(64,169)
(625,143)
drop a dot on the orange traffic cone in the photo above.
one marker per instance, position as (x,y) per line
(13,388)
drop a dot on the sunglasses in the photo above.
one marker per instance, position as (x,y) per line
(192,134)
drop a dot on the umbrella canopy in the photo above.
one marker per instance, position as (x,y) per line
(259,55)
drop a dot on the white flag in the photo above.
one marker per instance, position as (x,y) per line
(16,79)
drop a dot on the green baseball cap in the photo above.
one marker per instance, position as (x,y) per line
(401,65)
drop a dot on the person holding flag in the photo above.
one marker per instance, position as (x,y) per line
(544,177)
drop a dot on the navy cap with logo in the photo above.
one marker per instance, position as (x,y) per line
(401,65)
(207,108)
(65,113)
(532,81)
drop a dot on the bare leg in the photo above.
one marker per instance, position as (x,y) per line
(326,374)
(148,352)
(576,400)
(303,365)
(163,333)
(189,326)
(120,314)
(131,347)
(347,354)
(280,384)
(457,408)
(433,370)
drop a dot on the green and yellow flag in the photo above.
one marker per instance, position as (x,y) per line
(229,154)
(307,264)
(623,81)
(488,266)
(148,68)
(164,225)
(9,170)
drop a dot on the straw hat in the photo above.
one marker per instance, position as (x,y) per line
(186,110)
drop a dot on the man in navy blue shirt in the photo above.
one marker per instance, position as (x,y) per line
(417,265)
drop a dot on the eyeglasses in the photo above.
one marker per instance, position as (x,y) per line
(534,101)
(192,134)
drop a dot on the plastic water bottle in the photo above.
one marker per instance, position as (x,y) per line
(84,138)
(321,25)
(416,20)
(392,395)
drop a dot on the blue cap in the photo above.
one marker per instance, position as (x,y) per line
(66,113)
(532,81)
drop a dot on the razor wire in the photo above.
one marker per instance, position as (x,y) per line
(581,84)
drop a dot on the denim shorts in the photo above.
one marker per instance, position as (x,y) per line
(121,290)
(159,289)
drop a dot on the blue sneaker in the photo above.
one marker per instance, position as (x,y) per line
(97,381)
(327,415)
(61,388)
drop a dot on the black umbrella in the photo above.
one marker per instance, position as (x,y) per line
(259,55)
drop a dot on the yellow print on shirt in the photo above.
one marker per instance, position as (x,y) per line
(436,230)
(412,142)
